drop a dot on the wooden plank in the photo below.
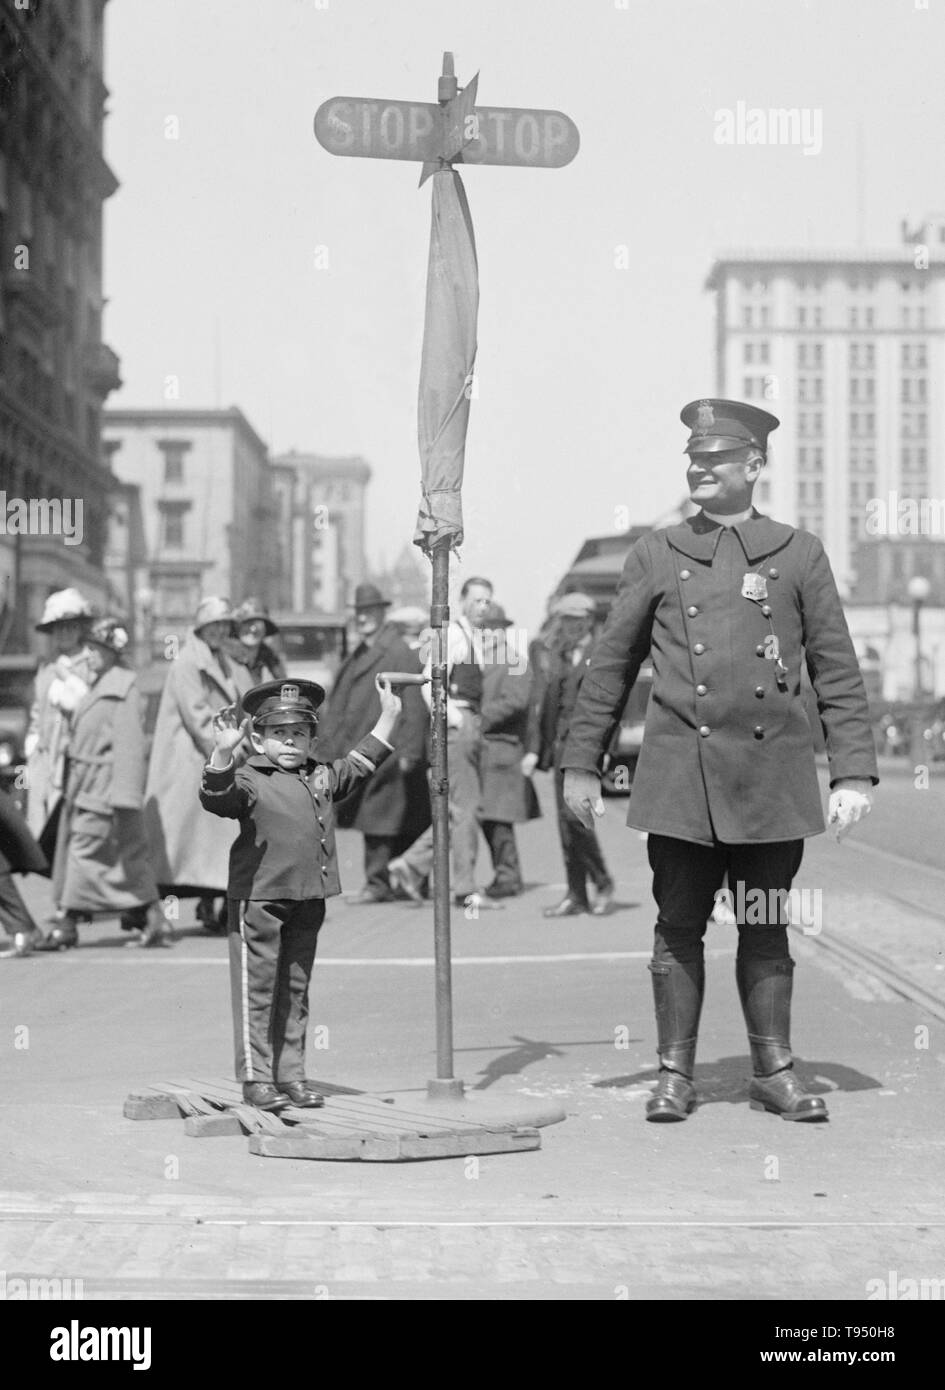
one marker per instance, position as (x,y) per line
(185,1096)
(212,1126)
(150,1107)
(305,1143)
(302,1143)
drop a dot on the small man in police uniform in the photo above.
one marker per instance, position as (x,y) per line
(729,605)
(282,868)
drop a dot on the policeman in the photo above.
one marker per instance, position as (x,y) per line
(729,605)
(283,866)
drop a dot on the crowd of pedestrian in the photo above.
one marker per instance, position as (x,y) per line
(119,832)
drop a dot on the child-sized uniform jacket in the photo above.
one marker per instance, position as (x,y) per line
(286,845)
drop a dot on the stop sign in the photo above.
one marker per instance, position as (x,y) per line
(370,128)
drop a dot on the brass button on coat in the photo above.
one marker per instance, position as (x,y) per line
(759,692)
(766,610)
(702,690)
(759,731)
(692,610)
(774,573)
(704,730)
(699,648)
(685,574)
(759,650)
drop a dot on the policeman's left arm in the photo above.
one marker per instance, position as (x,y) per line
(841,695)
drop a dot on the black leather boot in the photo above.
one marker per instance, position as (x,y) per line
(677,993)
(765,988)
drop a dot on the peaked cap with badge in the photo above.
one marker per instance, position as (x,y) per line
(718,425)
(274,701)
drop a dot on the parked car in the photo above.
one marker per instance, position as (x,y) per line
(17,679)
(313,646)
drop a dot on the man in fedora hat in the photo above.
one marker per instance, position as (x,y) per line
(567,666)
(730,606)
(391,808)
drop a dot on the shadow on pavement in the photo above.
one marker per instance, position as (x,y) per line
(726,1081)
(518,1058)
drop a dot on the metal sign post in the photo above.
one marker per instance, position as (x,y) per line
(454,131)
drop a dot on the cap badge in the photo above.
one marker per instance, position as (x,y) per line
(705,415)
(289,692)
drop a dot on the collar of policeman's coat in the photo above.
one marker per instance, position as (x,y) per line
(698,536)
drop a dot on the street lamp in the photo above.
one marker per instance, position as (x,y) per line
(919,589)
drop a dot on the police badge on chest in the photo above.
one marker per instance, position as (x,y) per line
(755,587)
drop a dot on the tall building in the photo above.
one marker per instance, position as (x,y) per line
(327,507)
(848,349)
(55,370)
(207,510)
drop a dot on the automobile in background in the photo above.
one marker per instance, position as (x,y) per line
(621,762)
(17,681)
(312,646)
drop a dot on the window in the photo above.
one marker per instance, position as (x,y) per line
(802,317)
(749,352)
(764,352)
(748,387)
(172,524)
(747,316)
(854,318)
(173,451)
(869,320)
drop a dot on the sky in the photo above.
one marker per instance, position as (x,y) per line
(266,273)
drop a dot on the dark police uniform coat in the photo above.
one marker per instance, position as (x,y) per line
(727,751)
(286,846)
(507,794)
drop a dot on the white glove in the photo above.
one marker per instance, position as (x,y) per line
(582,795)
(847,806)
(529,763)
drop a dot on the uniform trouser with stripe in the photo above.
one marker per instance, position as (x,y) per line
(272,952)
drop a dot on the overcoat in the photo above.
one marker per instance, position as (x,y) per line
(189,850)
(507,794)
(286,846)
(727,751)
(47,738)
(102,862)
(391,803)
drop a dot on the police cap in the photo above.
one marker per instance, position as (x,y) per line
(278,702)
(717,425)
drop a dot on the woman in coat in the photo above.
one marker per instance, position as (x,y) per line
(61,683)
(508,795)
(102,862)
(252,625)
(191,850)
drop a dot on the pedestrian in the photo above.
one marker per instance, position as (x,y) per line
(508,795)
(190,851)
(102,862)
(464,668)
(567,666)
(61,683)
(19,854)
(282,868)
(730,606)
(391,808)
(252,625)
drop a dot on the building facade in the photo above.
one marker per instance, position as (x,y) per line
(55,370)
(848,350)
(325,497)
(208,514)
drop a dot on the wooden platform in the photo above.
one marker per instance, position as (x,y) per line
(351,1125)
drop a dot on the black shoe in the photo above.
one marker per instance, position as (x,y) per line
(26,942)
(264,1096)
(301,1093)
(476,900)
(62,937)
(673,1098)
(567,907)
(502,890)
(782,1094)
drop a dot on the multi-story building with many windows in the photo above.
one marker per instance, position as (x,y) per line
(848,350)
(55,371)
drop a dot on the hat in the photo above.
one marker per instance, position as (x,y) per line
(574,606)
(717,425)
(369,596)
(213,610)
(494,616)
(109,633)
(64,606)
(272,701)
(252,608)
